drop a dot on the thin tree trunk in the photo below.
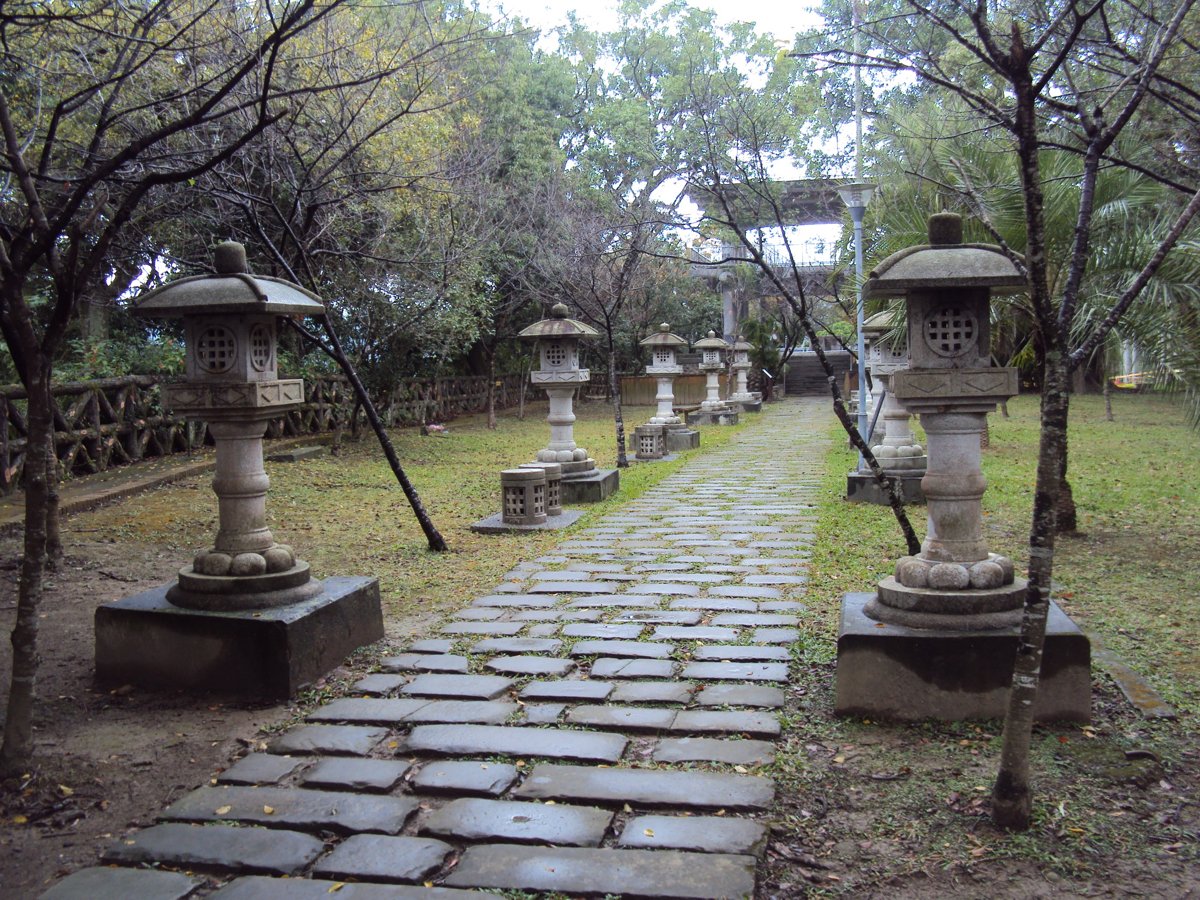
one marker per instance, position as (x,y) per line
(17,749)
(491,391)
(54,547)
(614,390)
(1108,410)
(1012,796)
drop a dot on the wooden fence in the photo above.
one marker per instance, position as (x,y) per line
(111,422)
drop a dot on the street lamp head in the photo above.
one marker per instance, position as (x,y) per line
(856,195)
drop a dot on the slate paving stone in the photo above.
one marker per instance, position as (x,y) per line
(736,671)
(498,628)
(704,834)
(379,684)
(257,887)
(543,713)
(663,567)
(425,662)
(775,636)
(647,787)
(781,606)
(474,687)
(652,692)
(376,857)
(518,601)
(371,775)
(498,740)
(627,601)
(561,575)
(530,665)
(261,768)
(608,667)
(484,712)
(673,589)
(476,777)
(485,614)
(661,617)
(293,808)
(635,873)
(542,630)
(707,721)
(628,632)
(775,579)
(694,633)
(746,591)
(329,740)
(632,649)
(107,883)
(622,718)
(595,567)
(525,823)
(754,619)
(566,690)
(697,749)
(740,695)
(222,848)
(431,645)
(557,615)
(575,587)
(386,710)
(690,578)
(742,652)
(713,605)
(517,646)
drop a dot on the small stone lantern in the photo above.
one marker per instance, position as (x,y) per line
(559,375)
(937,639)
(232,383)
(749,401)
(664,365)
(713,410)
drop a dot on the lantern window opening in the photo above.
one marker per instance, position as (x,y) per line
(261,341)
(662,357)
(950,332)
(556,354)
(216,349)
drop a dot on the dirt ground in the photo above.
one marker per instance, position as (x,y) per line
(866,810)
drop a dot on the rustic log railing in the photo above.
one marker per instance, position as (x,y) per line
(110,422)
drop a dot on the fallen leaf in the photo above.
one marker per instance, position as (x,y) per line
(335,887)
(20,820)
(648,832)
(269,810)
(222,810)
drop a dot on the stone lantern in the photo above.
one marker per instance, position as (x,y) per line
(938,638)
(246,615)
(664,366)
(749,401)
(892,441)
(713,410)
(559,375)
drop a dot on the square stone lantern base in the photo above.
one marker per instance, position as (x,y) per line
(495,524)
(892,672)
(680,437)
(263,653)
(753,405)
(597,485)
(728,416)
(861,487)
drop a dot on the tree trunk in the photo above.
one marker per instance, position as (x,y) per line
(17,749)
(1012,797)
(1108,412)
(54,547)
(614,390)
(491,391)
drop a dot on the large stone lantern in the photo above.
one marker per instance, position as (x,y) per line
(229,642)
(896,449)
(713,410)
(664,366)
(560,376)
(748,400)
(938,638)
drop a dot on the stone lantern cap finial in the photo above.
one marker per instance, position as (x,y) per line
(663,338)
(712,342)
(945,262)
(558,326)
(742,344)
(232,289)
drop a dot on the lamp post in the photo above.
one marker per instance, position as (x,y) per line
(856,196)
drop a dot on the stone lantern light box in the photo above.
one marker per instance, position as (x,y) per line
(713,410)
(211,628)
(665,433)
(748,400)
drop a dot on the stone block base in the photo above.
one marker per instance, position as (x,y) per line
(599,485)
(495,524)
(704,417)
(266,653)
(296,454)
(682,439)
(861,487)
(748,405)
(892,672)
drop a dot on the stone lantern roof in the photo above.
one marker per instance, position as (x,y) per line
(558,326)
(742,345)
(712,342)
(231,289)
(880,323)
(945,262)
(663,338)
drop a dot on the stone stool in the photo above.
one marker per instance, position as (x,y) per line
(650,441)
(523,496)
(553,485)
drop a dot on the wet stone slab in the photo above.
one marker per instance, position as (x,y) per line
(329,740)
(517,646)
(652,692)
(694,633)
(746,591)
(107,883)
(575,587)
(707,721)
(636,873)
(647,787)
(475,687)
(222,848)
(387,710)
(775,636)
(633,668)
(425,662)
(256,887)
(619,632)
(508,820)
(740,695)
(630,649)
(483,712)
(304,810)
(496,740)
(566,690)
(621,601)
(379,685)
(704,834)
(710,604)
(661,617)
(476,777)
(498,628)
(431,645)
(736,671)
(260,768)
(741,653)
(738,753)
(517,601)
(369,775)
(673,589)
(622,718)
(543,713)
(375,857)
(754,619)
(530,665)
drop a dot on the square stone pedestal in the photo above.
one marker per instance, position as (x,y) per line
(599,485)
(861,487)
(263,653)
(748,405)
(495,524)
(682,439)
(704,417)
(891,672)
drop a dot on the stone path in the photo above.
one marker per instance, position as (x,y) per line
(593,726)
